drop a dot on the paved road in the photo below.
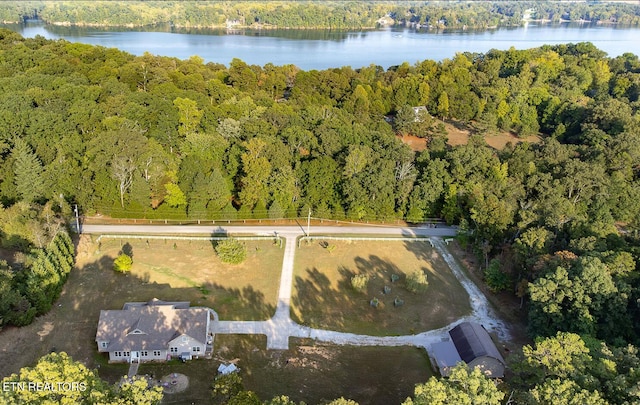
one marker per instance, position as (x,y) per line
(441,230)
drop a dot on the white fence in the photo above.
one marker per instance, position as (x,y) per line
(170,237)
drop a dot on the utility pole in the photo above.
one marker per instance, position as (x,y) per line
(308,221)
(75,209)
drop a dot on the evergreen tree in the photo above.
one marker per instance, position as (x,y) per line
(27,170)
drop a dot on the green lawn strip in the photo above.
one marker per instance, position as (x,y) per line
(324,298)
(168,272)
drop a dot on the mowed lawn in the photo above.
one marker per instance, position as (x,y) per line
(188,272)
(191,271)
(324,298)
(317,373)
(309,371)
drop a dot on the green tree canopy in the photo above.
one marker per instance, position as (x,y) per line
(463,386)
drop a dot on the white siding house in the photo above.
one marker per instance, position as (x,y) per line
(154,331)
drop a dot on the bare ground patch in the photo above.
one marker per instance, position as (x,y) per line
(458,134)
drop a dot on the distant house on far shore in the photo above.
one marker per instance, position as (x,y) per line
(420,112)
(154,331)
(468,342)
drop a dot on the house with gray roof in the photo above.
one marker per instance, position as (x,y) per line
(468,342)
(154,331)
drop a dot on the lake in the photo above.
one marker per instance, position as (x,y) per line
(321,49)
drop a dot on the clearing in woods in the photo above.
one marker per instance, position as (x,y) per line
(459,134)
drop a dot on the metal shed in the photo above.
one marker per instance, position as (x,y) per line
(468,342)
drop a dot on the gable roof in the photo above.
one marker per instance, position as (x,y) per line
(155,301)
(150,326)
(472,341)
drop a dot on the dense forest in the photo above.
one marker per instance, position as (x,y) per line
(150,136)
(42,255)
(316,14)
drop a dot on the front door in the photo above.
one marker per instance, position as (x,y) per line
(135,357)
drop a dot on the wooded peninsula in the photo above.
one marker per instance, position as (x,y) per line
(156,137)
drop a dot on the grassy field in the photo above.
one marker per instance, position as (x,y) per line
(309,371)
(324,298)
(314,372)
(247,291)
(188,272)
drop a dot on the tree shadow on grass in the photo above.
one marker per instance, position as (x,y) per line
(127,249)
(331,302)
(93,286)
(421,249)
(316,300)
(245,304)
(377,267)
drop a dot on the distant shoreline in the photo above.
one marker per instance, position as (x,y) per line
(269,27)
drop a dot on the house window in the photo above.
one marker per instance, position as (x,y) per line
(195,348)
(104,345)
(127,354)
(184,339)
(174,350)
(156,353)
(144,353)
(116,354)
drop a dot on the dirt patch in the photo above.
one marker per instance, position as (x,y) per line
(458,134)
(416,144)
(174,383)
(47,327)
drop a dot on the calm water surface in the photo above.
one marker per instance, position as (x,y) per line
(325,49)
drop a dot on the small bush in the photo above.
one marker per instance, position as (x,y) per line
(231,251)
(359,282)
(417,281)
(123,263)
